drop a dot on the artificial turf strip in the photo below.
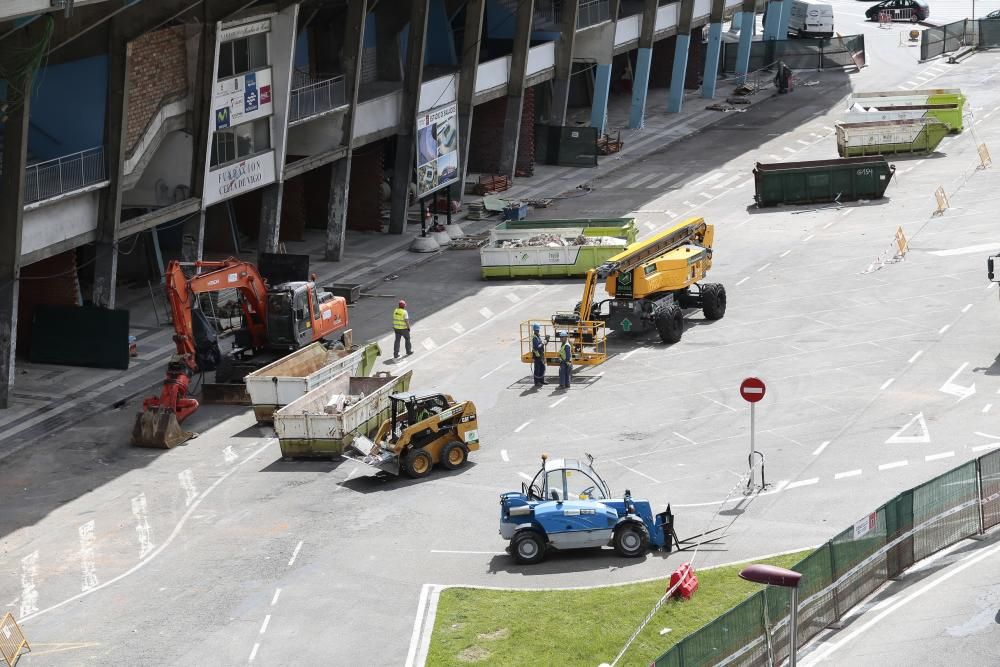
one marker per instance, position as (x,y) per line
(585,628)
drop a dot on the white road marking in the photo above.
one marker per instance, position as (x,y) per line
(559,401)
(457,328)
(943,329)
(829,224)
(663,181)
(885,385)
(615,183)
(894,464)
(29,594)
(775,157)
(785,254)
(637,472)
(274,600)
(987,407)
(466,551)
(744,222)
(229,454)
(937,457)
(789,150)
(992,445)
(685,438)
(486,312)
(966,250)
(819,450)
(804,482)
(743,281)
(987,435)
(808,237)
(483,377)
(690,204)
(186,478)
(916,355)
(263,626)
(428,344)
(898,438)
(142,528)
(991,286)
(804,143)
(88,567)
(629,354)
(671,214)
(728,181)
(706,195)
(714,176)
(295,554)
(649,225)
(513,298)
(504,456)
(763,267)
(849,473)
(846,212)
(967,306)
(911,83)
(949,387)
(253,653)
(527,477)
(523,426)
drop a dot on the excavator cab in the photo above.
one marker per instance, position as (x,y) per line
(298,313)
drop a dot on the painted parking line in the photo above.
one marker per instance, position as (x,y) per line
(513,298)
(743,281)
(727,182)
(789,150)
(641,181)
(943,329)
(523,426)
(894,464)
(938,457)
(987,407)
(885,385)
(808,238)
(785,254)
(615,183)
(916,355)
(849,473)
(295,553)
(559,401)
(683,437)
(428,344)
(504,456)
(819,450)
(527,477)
(967,306)
(804,482)
(483,377)
(486,312)
(637,472)
(981,448)
(663,181)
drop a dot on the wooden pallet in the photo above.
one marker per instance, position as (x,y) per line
(606,145)
(492,184)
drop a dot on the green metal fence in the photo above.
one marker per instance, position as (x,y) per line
(962,502)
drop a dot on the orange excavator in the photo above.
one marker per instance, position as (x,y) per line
(275,321)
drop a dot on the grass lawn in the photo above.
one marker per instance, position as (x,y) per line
(583,628)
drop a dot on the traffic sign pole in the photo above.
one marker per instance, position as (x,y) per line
(753,429)
(752,390)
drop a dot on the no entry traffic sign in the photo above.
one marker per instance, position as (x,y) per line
(752,389)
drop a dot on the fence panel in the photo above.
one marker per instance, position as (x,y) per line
(989,470)
(799,53)
(566,146)
(899,520)
(815,611)
(853,547)
(989,33)
(955,493)
(742,627)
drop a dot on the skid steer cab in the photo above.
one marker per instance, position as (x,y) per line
(423,430)
(569,506)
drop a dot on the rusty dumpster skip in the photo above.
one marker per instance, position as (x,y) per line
(324,421)
(889,136)
(278,384)
(816,181)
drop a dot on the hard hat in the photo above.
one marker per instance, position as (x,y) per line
(402,304)
(536,327)
(563,334)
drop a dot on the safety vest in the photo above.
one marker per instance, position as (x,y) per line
(565,352)
(399,317)
(537,347)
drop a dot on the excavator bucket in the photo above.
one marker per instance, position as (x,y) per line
(159,429)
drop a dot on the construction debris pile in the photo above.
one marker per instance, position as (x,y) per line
(338,402)
(557,241)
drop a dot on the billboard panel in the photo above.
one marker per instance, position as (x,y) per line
(437,149)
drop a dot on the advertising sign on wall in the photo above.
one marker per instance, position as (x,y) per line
(437,149)
(242,98)
(245,30)
(235,179)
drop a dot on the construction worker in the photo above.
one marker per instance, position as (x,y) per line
(783,78)
(538,354)
(401,327)
(565,360)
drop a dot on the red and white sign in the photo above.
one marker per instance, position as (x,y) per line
(752,390)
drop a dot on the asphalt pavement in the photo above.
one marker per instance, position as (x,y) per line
(879,376)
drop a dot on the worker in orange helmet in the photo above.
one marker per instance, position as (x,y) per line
(401,327)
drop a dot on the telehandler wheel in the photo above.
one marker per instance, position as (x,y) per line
(528,547)
(670,324)
(418,463)
(713,299)
(453,455)
(630,540)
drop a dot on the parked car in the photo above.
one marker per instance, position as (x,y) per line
(995,14)
(900,10)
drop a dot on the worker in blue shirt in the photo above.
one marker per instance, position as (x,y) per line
(565,361)
(538,355)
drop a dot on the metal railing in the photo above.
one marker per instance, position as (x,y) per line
(592,12)
(52,178)
(317,98)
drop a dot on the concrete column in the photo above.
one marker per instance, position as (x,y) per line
(675,99)
(110,205)
(194,227)
(416,45)
(564,63)
(340,179)
(270,218)
(786,16)
(748,22)
(15,154)
(644,56)
(714,46)
(469,70)
(515,88)
(772,23)
(599,107)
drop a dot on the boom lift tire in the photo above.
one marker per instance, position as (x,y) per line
(418,463)
(670,324)
(713,300)
(630,540)
(453,455)
(528,547)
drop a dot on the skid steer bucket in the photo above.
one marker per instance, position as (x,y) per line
(367,452)
(159,429)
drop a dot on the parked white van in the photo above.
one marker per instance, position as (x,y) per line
(811,19)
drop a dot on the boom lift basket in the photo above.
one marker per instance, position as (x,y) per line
(588,340)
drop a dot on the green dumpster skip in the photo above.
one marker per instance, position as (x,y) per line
(897,98)
(949,114)
(511,252)
(843,179)
(889,136)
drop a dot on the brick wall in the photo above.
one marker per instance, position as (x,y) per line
(487,136)
(157,69)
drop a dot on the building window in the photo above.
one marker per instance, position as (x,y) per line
(242,55)
(240,142)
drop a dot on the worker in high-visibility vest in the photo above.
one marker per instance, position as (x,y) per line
(565,361)
(401,327)
(538,355)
